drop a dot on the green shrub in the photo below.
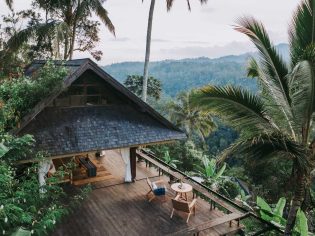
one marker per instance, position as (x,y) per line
(19,95)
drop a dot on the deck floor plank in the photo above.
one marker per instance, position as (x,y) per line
(117,208)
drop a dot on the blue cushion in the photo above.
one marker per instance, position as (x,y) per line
(159,191)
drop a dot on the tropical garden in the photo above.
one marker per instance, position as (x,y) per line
(254,147)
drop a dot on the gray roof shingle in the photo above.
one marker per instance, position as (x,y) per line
(61,131)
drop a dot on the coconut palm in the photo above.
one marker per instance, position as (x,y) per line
(169,4)
(276,123)
(190,118)
(70,13)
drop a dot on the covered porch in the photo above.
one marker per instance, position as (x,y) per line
(118,208)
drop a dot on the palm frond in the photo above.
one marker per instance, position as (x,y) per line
(302,92)
(271,60)
(238,107)
(302,32)
(9,4)
(19,39)
(252,68)
(102,13)
(38,30)
(266,146)
(169,4)
(272,68)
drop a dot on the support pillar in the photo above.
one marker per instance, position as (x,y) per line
(133,163)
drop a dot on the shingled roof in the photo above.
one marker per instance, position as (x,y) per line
(69,130)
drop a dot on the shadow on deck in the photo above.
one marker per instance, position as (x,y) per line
(117,208)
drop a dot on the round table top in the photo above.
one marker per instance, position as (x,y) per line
(185,189)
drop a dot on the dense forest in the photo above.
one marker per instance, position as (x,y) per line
(179,75)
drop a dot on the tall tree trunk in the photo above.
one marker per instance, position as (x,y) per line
(147,52)
(72,40)
(74,31)
(298,199)
(68,20)
(65,55)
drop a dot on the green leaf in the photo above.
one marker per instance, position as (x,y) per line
(302,92)
(264,209)
(21,232)
(301,225)
(3,149)
(278,210)
(220,172)
(240,108)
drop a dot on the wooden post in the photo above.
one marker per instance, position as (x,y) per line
(133,163)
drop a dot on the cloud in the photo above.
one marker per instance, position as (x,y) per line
(161,40)
(122,39)
(207,10)
(195,42)
(233,48)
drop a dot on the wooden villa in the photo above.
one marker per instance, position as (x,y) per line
(92,112)
(96,122)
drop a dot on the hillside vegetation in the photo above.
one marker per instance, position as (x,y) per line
(179,75)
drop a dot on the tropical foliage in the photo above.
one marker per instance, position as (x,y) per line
(22,207)
(134,84)
(186,152)
(169,160)
(13,93)
(190,118)
(277,122)
(209,171)
(275,216)
(65,27)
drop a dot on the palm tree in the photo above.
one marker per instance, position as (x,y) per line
(63,31)
(169,4)
(276,123)
(190,118)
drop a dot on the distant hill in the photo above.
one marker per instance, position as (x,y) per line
(178,75)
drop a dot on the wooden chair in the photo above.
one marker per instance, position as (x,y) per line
(152,190)
(184,206)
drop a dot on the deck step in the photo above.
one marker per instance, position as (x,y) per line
(92,179)
(84,175)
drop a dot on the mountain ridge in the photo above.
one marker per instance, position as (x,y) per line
(188,73)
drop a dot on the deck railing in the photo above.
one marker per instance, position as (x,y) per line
(213,197)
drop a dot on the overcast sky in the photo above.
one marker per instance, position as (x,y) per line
(205,31)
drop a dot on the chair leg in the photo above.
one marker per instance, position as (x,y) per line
(172,213)
(188,217)
(150,199)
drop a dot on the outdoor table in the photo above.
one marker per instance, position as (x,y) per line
(182,189)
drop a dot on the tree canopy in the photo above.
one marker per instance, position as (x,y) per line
(134,84)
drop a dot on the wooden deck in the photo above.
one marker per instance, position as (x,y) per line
(117,208)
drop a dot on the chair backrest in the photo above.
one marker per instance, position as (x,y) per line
(181,205)
(150,184)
